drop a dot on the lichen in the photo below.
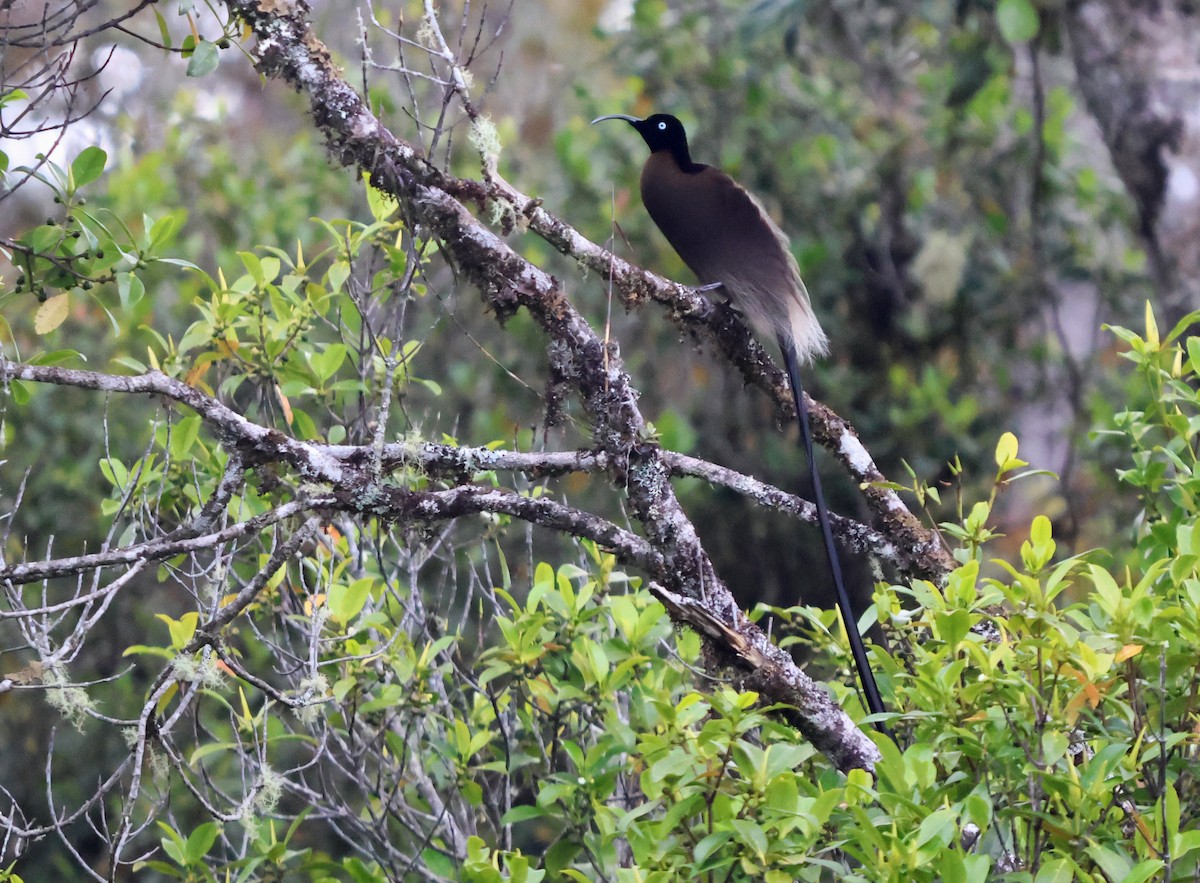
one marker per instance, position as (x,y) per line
(312,692)
(160,765)
(486,139)
(73,703)
(427,33)
(270,789)
(200,669)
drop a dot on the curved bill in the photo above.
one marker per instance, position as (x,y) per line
(616,116)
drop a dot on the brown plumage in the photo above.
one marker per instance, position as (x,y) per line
(724,235)
(726,238)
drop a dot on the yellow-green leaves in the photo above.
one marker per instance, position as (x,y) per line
(346,601)
(51,314)
(1152,340)
(1006,454)
(1038,550)
(382,205)
(182,630)
(1017,20)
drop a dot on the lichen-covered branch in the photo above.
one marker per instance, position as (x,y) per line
(288,50)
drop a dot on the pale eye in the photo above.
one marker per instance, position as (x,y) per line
(662,127)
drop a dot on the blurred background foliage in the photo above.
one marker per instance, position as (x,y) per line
(954,211)
(956,219)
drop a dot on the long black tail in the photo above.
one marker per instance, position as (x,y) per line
(865,675)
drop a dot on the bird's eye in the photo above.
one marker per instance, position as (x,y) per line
(662,127)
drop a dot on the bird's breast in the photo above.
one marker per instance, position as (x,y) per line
(718,229)
(686,207)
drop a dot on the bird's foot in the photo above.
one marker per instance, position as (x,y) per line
(712,286)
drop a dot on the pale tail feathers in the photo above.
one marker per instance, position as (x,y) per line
(807,333)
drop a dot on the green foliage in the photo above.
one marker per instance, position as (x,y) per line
(84,249)
(1017,20)
(1052,737)
(1046,710)
(932,198)
(549,724)
(1069,725)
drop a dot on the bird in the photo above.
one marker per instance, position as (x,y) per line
(729,241)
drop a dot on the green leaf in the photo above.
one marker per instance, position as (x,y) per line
(209,748)
(751,834)
(172,844)
(1193,350)
(1006,453)
(57,357)
(711,844)
(131,363)
(1057,871)
(346,601)
(184,436)
(204,60)
(200,842)
(381,204)
(253,265)
(953,626)
(337,275)
(303,425)
(181,629)
(162,230)
(14,95)
(21,391)
(327,363)
(130,289)
(561,854)
(522,814)
(164,33)
(1144,870)
(88,166)
(1018,20)
(435,859)
(43,238)
(143,650)
(1112,862)
(1054,746)
(178,262)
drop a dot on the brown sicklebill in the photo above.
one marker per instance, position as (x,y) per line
(729,241)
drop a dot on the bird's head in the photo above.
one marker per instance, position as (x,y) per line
(660,131)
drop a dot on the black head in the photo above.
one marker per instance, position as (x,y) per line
(661,131)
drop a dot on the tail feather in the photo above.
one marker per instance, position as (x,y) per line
(866,676)
(807,335)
